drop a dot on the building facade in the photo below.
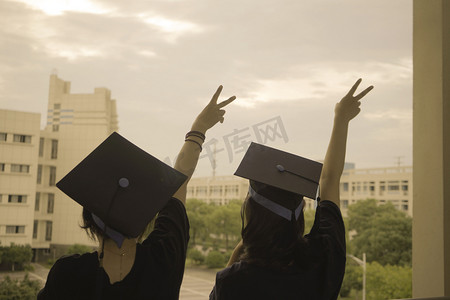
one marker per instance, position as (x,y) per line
(32,210)
(219,190)
(393,184)
(19,142)
(76,124)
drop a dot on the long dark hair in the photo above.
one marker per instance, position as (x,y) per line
(92,229)
(270,240)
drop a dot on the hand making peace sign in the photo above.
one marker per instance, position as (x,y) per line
(348,107)
(212,113)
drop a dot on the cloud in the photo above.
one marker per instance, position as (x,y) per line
(58,7)
(163,60)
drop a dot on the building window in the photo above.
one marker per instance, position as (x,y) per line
(201,191)
(232,190)
(57,105)
(55,128)
(216,190)
(22,138)
(405,207)
(2,167)
(405,187)
(37,203)
(52,179)
(54,149)
(48,231)
(20,168)
(393,187)
(17,199)
(345,186)
(3,136)
(50,203)
(344,203)
(15,229)
(41,147)
(35,229)
(39,174)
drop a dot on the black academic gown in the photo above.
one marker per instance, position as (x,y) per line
(321,280)
(157,271)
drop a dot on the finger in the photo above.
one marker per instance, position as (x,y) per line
(226,102)
(222,119)
(363,93)
(216,95)
(354,87)
(221,112)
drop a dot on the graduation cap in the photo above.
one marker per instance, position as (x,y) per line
(122,185)
(279,180)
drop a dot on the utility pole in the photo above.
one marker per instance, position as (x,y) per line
(214,162)
(363,264)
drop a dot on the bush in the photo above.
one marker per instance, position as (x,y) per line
(215,259)
(196,256)
(26,289)
(17,256)
(78,249)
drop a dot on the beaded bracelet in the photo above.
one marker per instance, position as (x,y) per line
(188,140)
(196,134)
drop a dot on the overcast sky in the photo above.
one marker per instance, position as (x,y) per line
(288,63)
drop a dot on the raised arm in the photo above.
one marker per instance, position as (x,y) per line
(188,157)
(344,111)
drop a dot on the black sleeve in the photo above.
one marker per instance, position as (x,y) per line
(51,285)
(329,223)
(171,228)
(328,238)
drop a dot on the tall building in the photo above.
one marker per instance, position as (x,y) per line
(76,124)
(19,140)
(392,184)
(218,189)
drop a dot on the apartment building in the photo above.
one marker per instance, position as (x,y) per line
(218,189)
(19,143)
(76,124)
(32,210)
(393,184)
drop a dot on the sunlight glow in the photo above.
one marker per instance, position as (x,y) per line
(72,53)
(172,26)
(59,7)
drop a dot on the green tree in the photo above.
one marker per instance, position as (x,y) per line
(197,212)
(26,289)
(388,282)
(309,216)
(78,249)
(352,279)
(382,232)
(196,256)
(17,255)
(225,221)
(215,259)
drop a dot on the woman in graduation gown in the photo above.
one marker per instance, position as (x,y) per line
(122,188)
(275,260)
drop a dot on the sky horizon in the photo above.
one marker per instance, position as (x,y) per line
(287,62)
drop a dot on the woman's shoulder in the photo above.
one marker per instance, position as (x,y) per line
(75,261)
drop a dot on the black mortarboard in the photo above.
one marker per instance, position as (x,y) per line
(279,176)
(122,184)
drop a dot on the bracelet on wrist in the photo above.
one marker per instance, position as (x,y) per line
(189,140)
(196,134)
